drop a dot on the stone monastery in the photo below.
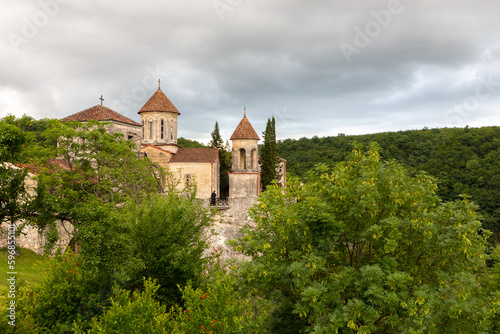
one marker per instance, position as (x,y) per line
(156,138)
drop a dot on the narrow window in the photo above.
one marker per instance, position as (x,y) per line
(171,130)
(162,129)
(254,159)
(187,180)
(150,129)
(143,130)
(243,159)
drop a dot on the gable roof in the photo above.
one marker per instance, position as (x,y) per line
(158,148)
(196,155)
(244,130)
(159,102)
(54,165)
(99,113)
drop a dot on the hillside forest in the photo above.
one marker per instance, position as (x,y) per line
(464,161)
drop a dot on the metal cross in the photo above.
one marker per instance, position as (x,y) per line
(101,99)
(159,84)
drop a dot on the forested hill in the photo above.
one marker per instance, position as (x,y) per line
(464,160)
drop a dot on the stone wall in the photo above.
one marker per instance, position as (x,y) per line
(30,238)
(204,174)
(129,132)
(227,224)
(158,155)
(244,184)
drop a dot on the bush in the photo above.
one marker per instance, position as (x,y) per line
(66,296)
(218,308)
(139,314)
(25,297)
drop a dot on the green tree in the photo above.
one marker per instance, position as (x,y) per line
(168,234)
(218,307)
(366,248)
(224,156)
(269,160)
(14,148)
(30,125)
(183,142)
(89,167)
(139,313)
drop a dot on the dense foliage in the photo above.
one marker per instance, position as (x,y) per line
(464,161)
(183,142)
(365,248)
(269,160)
(225,159)
(362,246)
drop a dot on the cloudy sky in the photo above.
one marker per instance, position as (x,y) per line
(321,67)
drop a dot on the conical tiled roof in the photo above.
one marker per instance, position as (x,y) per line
(159,102)
(244,130)
(99,113)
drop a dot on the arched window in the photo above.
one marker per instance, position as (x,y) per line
(162,129)
(254,159)
(243,159)
(150,129)
(188,179)
(171,130)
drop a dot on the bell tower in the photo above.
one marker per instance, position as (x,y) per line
(159,121)
(244,178)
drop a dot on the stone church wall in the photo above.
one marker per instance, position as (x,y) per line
(31,239)
(205,175)
(244,184)
(157,156)
(228,223)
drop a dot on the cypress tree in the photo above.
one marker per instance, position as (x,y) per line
(269,156)
(225,158)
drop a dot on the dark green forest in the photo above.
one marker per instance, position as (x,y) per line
(465,161)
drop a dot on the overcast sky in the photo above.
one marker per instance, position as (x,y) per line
(321,67)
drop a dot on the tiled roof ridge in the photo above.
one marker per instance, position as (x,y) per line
(196,154)
(99,113)
(244,130)
(159,102)
(158,148)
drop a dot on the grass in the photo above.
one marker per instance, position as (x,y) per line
(29,266)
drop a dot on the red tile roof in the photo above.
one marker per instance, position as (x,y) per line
(53,165)
(196,155)
(99,113)
(158,148)
(244,130)
(159,102)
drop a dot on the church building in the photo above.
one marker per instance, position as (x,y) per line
(156,139)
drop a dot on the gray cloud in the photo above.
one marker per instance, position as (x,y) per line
(281,58)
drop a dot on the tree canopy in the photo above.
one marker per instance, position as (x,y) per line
(224,156)
(363,247)
(465,161)
(269,160)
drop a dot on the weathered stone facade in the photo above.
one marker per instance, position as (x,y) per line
(156,139)
(30,237)
(228,223)
(204,175)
